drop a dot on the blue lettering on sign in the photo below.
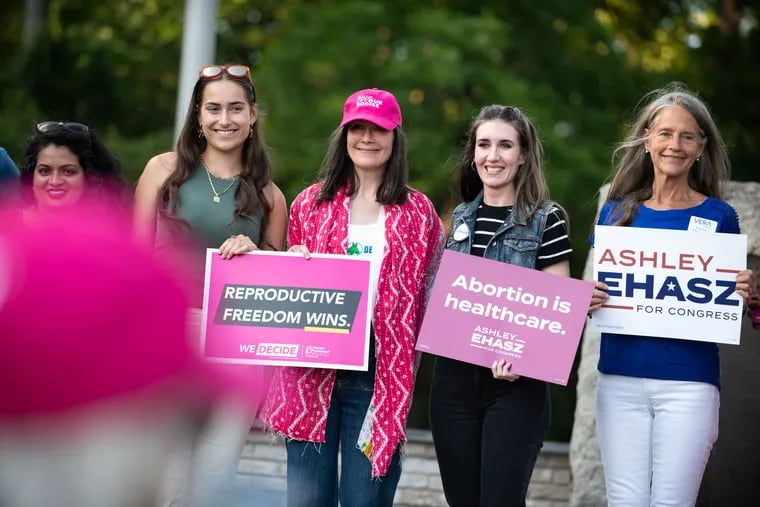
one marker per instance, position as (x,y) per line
(368,249)
(698,290)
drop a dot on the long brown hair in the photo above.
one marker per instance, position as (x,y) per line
(531,189)
(256,167)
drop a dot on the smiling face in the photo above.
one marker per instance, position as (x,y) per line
(497,157)
(58,180)
(674,142)
(225,115)
(369,146)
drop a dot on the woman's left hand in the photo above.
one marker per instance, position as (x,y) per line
(746,284)
(598,297)
(236,244)
(500,370)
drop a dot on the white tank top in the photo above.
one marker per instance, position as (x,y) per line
(368,241)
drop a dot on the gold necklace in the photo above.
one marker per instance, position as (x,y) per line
(217,195)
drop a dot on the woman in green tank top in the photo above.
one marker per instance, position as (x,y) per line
(214,191)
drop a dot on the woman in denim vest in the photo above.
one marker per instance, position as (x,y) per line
(489,424)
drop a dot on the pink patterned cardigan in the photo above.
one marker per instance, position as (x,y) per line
(299,398)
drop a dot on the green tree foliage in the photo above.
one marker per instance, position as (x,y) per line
(444,64)
(712,46)
(112,65)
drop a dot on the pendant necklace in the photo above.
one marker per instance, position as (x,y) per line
(217,195)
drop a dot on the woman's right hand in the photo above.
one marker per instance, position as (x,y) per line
(302,250)
(598,298)
(236,245)
(500,369)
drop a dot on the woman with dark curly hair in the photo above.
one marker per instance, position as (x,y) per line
(65,167)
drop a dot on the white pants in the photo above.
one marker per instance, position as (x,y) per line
(655,437)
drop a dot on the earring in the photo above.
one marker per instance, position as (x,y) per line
(698,158)
(200,131)
(250,132)
(646,151)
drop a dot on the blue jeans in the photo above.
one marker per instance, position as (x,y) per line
(487,433)
(312,476)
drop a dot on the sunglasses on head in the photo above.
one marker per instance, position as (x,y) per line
(210,71)
(69,126)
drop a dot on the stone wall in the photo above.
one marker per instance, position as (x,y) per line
(588,476)
(262,467)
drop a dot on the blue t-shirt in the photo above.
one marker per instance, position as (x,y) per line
(666,358)
(8,169)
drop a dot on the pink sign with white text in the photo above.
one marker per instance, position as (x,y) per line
(481,310)
(277,308)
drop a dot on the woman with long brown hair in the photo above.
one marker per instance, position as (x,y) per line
(214,191)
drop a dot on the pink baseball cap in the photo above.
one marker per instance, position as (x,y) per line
(374,105)
(87,315)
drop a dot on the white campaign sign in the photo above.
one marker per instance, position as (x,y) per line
(670,284)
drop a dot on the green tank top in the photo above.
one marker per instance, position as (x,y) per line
(206,223)
(211,222)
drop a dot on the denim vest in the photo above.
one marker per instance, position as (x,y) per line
(514,242)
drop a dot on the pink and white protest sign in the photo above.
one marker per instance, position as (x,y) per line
(481,310)
(670,284)
(277,308)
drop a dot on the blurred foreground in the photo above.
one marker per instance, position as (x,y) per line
(104,397)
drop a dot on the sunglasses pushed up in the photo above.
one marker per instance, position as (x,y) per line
(72,127)
(236,70)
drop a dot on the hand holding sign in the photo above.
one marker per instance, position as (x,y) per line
(598,297)
(746,285)
(500,370)
(302,249)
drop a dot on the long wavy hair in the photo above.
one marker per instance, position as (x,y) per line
(337,170)
(257,169)
(634,172)
(102,171)
(531,189)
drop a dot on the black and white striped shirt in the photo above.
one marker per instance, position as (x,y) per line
(555,243)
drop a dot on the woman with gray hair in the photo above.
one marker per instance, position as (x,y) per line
(657,398)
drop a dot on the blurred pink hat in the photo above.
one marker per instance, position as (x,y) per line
(374,105)
(86,315)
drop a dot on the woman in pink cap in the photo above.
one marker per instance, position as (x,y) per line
(361,205)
